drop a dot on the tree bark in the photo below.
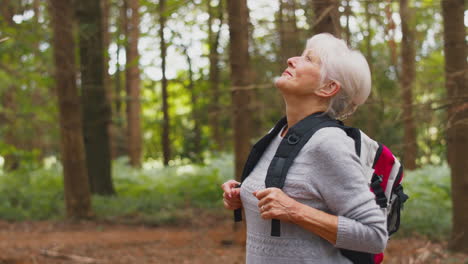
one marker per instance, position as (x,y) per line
(240,77)
(456,77)
(133,87)
(96,110)
(214,80)
(8,117)
(369,36)
(196,151)
(390,32)
(8,100)
(348,13)
(7,9)
(408,73)
(327,17)
(105,6)
(76,187)
(288,32)
(120,127)
(165,135)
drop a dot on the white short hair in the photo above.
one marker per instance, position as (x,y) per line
(347,67)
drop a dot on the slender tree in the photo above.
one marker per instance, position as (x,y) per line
(133,86)
(77,194)
(348,13)
(327,17)
(407,76)
(8,97)
(96,110)
(105,6)
(165,135)
(370,35)
(119,113)
(7,117)
(38,96)
(196,115)
(214,75)
(288,32)
(390,32)
(242,96)
(456,78)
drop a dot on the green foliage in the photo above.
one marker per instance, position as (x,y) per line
(155,194)
(151,194)
(31,193)
(429,210)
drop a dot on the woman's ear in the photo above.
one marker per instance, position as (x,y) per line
(329,89)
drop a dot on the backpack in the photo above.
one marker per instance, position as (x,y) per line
(382,170)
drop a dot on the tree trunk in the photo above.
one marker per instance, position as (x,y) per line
(456,75)
(327,17)
(8,100)
(133,87)
(213,43)
(390,32)
(76,187)
(120,131)
(196,151)
(348,14)
(165,134)
(369,36)
(105,6)
(288,32)
(96,110)
(240,72)
(7,9)
(8,117)
(408,73)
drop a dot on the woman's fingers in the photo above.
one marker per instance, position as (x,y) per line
(230,184)
(231,195)
(232,203)
(229,187)
(235,192)
(274,204)
(260,194)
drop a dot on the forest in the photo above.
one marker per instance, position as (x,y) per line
(134,112)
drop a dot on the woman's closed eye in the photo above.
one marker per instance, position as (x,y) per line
(310,58)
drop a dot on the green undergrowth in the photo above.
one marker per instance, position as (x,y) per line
(153,194)
(158,195)
(428,212)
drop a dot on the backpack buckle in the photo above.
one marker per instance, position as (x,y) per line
(293,139)
(376,181)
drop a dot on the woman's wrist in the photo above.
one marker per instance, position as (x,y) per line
(320,223)
(297,213)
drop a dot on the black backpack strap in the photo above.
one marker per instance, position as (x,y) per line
(355,134)
(379,192)
(358,257)
(289,148)
(255,155)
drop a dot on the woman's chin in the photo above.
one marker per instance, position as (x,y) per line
(280,82)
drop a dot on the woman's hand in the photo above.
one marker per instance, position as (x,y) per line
(231,195)
(275,204)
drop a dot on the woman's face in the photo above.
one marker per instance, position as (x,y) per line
(302,76)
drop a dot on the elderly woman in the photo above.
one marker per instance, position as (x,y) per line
(325,204)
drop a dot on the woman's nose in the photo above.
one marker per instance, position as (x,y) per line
(292,61)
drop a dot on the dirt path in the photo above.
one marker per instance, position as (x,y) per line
(209,242)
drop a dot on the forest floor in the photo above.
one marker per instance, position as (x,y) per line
(209,239)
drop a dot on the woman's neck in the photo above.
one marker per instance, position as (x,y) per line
(299,109)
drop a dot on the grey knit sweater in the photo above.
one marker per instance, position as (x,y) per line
(325,175)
